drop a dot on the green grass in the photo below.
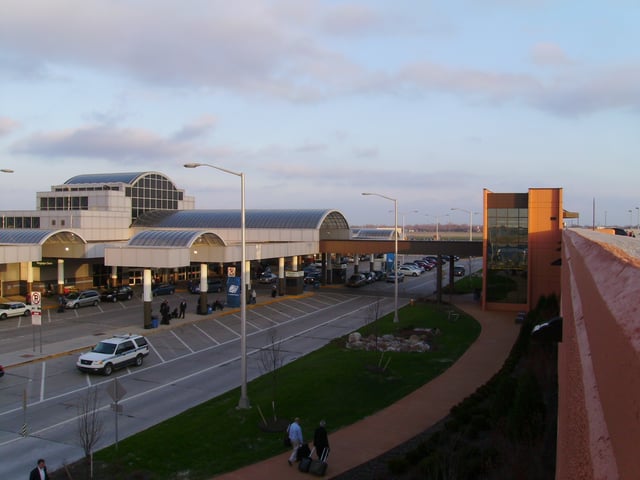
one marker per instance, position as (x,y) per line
(333,383)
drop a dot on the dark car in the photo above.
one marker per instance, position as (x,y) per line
(213,285)
(357,280)
(268,277)
(312,278)
(1,371)
(163,289)
(459,271)
(124,292)
(391,277)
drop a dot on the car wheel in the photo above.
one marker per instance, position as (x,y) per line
(108,369)
(76,305)
(129,297)
(114,299)
(95,303)
(3,316)
(27,313)
(139,360)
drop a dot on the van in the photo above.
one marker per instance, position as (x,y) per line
(82,299)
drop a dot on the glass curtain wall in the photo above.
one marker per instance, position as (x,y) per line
(507,255)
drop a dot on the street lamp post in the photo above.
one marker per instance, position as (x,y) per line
(395,252)
(470,221)
(630,219)
(244,399)
(638,225)
(437,224)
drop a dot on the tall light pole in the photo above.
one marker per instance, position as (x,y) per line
(630,219)
(244,399)
(470,220)
(638,225)
(395,252)
(403,214)
(437,224)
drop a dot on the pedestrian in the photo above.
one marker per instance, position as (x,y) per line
(320,439)
(274,291)
(165,312)
(253,295)
(40,472)
(60,304)
(183,308)
(295,435)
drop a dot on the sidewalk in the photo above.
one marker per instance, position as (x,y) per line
(358,443)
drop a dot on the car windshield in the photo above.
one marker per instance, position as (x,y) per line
(72,296)
(104,347)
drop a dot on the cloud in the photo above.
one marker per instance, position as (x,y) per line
(549,54)
(116,144)
(7,126)
(195,129)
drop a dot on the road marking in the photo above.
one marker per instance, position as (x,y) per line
(181,341)
(206,334)
(44,371)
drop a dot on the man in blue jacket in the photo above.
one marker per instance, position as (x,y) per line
(295,435)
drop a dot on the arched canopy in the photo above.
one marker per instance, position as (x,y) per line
(258,219)
(28,236)
(174,238)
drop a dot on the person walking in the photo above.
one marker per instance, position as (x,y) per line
(40,472)
(295,435)
(253,295)
(274,290)
(183,308)
(320,439)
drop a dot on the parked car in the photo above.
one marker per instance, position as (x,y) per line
(379,274)
(312,278)
(459,271)
(124,292)
(14,309)
(1,371)
(426,266)
(213,285)
(82,299)
(409,271)
(116,352)
(163,289)
(357,280)
(268,277)
(391,277)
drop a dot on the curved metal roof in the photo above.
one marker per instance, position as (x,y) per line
(126,177)
(173,238)
(284,219)
(28,236)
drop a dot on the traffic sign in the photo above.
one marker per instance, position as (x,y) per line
(35,299)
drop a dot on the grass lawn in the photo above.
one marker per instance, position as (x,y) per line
(333,383)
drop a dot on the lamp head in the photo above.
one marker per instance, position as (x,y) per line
(192,165)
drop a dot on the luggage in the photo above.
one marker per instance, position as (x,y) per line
(319,467)
(305,462)
(303,451)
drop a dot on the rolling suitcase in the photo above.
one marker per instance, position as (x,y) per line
(305,461)
(319,467)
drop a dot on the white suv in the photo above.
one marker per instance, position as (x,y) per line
(116,352)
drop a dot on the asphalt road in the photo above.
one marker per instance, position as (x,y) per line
(188,364)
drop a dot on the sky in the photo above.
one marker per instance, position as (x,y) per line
(425,102)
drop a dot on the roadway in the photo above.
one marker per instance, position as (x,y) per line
(191,361)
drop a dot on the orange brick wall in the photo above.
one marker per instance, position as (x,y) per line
(599,358)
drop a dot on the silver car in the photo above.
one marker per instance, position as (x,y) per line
(82,299)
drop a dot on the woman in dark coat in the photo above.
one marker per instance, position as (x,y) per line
(320,439)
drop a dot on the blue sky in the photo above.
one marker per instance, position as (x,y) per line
(317,101)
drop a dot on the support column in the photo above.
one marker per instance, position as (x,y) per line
(204,284)
(60,276)
(147,296)
(294,263)
(281,284)
(356,263)
(114,277)
(29,280)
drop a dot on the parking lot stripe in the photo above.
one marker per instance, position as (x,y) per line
(206,334)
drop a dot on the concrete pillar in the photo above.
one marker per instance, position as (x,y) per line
(147,296)
(281,283)
(204,283)
(114,276)
(29,277)
(294,263)
(60,276)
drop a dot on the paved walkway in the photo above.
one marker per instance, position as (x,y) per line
(358,443)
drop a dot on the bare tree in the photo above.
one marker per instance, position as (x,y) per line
(90,424)
(271,359)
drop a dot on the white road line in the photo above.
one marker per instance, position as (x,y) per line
(181,341)
(156,352)
(206,334)
(44,370)
(258,314)
(294,308)
(277,311)
(228,328)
